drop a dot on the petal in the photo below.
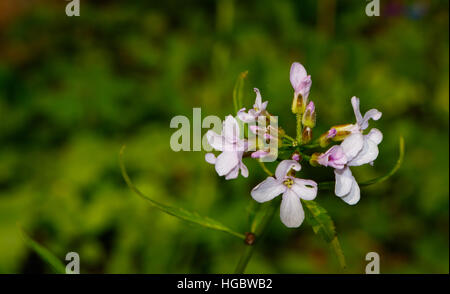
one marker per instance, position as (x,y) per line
(259,154)
(368,153)
(230,129)
(267,190)
(305,189)
(244,169)
(210,158)
(291,210)
(225,162)
(233,174)
(344,180)
(284,167)
(264,105)
(371,114)
(375,135)
(353,196)
(355,105)
(297,74)
(244,116)
(258,99)
(352,145)
(305,87)
(216,141)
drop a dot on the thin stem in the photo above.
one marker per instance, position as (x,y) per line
(299,128)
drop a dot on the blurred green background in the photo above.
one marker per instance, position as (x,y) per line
(73,90)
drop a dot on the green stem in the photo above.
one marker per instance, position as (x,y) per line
(299,128)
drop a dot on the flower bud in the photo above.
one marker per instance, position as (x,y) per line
(309,117)
(297,104)
(296,156)
(313,161)
(342,131)
(306,135)
(326,138)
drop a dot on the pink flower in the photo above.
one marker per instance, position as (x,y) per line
(229,162)
(301,82)
(293,189)
(253,114)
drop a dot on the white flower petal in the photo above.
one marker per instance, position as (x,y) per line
(353,196)
(355,105)
(244,169)
(210,158)
(264,105)
(267,190)
(291,210)
(233,174)
(258,100)
(216,141)
(225,162)
(297,74)
(245,117)
(344,180)
(305,189)
(230,129)
(368,153)
(370,114)
(284,167)
(375,135)
(352,145)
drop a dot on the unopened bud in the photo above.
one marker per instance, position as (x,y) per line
(326,138)
(296,156)
(342,131)
(298,105)
(313,161)
(306,135)
(309,117)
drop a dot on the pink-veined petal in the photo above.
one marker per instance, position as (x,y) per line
(297,74)
(284,167)
(305,189)
(267,190)
(291,210)
(344,180)
(258,99)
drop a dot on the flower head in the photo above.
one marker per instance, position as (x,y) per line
(258,108)
(293,189)
(229,162)
(301,82)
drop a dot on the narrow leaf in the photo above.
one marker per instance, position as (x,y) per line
(181,213)
(398,164)
(238,91)
(323,225)
(45,254)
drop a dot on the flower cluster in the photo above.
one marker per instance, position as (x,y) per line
(353,147)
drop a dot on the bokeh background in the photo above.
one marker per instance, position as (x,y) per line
(73,90)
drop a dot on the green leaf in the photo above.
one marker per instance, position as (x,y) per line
(238,91)
(330,185)
(45,254)
(181,213)
(323,225)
